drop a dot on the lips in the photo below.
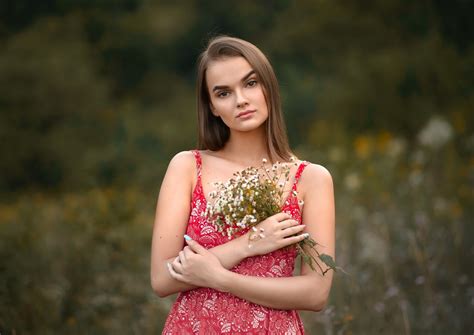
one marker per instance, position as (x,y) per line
(245,113)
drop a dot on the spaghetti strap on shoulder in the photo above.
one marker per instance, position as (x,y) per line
(197,156)
(300,170)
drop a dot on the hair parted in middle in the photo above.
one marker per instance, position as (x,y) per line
(213,133)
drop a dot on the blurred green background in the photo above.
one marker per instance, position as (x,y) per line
(97,96)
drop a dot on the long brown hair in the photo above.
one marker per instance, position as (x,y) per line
(213,133)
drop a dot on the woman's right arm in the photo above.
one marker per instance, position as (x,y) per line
(171,219)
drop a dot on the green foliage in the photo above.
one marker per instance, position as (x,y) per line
(402,229)
(327,259)
(77,264)
(54,106)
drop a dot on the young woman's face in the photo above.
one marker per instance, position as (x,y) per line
(236,94)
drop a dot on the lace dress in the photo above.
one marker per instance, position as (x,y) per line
(208,311)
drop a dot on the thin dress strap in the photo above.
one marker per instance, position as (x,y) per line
(301,167)
(197,155)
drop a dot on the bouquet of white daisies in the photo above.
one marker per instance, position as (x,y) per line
(253,195)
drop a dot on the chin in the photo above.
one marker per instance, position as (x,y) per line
(249,128)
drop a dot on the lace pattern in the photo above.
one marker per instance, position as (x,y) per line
(208,311)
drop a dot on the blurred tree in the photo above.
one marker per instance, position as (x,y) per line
(383,65)
(15,15)
(54,106)
(455,22)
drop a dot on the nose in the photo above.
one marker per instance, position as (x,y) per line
(242,100)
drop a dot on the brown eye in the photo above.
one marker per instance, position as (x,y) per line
(222,94)
(252,83)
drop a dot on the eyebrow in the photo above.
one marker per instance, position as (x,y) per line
(225,86)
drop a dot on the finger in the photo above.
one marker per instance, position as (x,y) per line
(292,230)
(177,266)
(281,216)
(288,223)
(182,257)
(188,252)
(294,239)
(174,274)
(196,247)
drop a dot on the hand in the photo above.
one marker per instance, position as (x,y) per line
(275,230)
(195,265)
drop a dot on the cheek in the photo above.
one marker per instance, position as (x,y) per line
(223,108)
(262,98)
(222,105)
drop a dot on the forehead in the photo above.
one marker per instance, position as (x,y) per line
(227,71)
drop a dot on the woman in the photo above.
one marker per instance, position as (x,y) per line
(225,286)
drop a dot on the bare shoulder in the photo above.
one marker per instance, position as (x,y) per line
(317,173)
(316,176)
(183,160)
(182,165)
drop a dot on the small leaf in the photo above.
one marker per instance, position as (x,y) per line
(328,260)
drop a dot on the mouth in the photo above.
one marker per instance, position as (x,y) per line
(246,113)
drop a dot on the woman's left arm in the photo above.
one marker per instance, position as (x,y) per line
(308,291)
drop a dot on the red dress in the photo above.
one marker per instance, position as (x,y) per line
(207,311)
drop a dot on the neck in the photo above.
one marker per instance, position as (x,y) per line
(246,148)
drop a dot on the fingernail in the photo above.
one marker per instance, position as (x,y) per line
(306,235)
(187,238)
